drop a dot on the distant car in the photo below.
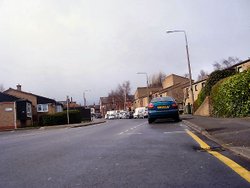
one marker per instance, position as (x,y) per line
(111,116)
(129,115)
(122,115)
(98,115)
(140,112)
(163,107)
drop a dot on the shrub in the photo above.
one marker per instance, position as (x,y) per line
(230,97)
(60,118)
(211,81)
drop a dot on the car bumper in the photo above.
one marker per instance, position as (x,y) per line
(163,114)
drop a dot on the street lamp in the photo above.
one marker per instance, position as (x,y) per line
(84,97)
(147,84)
(189,66)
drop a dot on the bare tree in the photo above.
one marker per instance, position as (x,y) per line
(217,66)
(226,63)
(117,97)
(203,75)
(1,88)
(156,79)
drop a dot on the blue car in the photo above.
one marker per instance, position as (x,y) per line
(163,107)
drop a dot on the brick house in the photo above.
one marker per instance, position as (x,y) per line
(141,96)
(14,112)
(40,105)
(197,87)
(242,66)
(173,86)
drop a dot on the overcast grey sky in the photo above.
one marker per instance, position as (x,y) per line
(56,48)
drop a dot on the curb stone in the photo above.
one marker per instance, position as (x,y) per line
(73,125)
(205,133)
(57,126)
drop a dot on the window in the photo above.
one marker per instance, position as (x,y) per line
(187,93)
(195,88)
(59,108)
(240,69)
(29,110)
(42,108)
(203,84)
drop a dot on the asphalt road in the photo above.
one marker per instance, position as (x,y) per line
(119,153)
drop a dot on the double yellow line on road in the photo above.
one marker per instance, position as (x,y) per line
(244,173)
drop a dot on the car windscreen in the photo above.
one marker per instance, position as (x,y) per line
(162,99)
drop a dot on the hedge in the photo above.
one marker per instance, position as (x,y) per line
(60,118)
(231,96)
(214,77)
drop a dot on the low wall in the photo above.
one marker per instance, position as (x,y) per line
(205,109)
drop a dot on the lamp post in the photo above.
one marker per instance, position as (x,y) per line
(147,84)
(84,97)
(189,66)
(67,98)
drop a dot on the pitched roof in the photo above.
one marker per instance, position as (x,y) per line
(40,99)
(240,63)
(7,98)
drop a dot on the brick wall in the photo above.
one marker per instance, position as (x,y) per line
(7,112)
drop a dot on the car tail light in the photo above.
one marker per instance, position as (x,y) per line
(174,105)
(150,106)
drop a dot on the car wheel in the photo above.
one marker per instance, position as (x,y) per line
(150,120)
(177,119)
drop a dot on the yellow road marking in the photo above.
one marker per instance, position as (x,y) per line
(244,173)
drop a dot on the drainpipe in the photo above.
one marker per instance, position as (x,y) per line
(14,110)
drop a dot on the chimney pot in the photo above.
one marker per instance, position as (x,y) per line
(19,87)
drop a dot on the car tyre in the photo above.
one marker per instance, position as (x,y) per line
(150,120)
(177,119)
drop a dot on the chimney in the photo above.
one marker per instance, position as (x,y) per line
(19,87)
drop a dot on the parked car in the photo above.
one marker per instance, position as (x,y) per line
(140,112)
(163,107)
(98,115)
(129,115)
(111,115)
(122,115)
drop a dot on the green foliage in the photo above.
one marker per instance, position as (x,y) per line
(231,96)
(211,81)
(60,118)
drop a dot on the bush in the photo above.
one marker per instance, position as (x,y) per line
(230,97)
(211,81)
(60,118)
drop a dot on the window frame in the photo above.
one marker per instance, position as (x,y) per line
(29,110)
(43,107)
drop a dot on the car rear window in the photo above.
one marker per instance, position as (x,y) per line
(162,99)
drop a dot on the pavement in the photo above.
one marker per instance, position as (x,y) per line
(231,133)
(93,122)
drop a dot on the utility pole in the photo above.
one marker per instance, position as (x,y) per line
(68,109)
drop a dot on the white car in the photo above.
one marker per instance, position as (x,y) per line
(111,116)
(141,112)
(123,115)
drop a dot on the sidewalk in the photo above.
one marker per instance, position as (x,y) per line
(230,133)
(93,122)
